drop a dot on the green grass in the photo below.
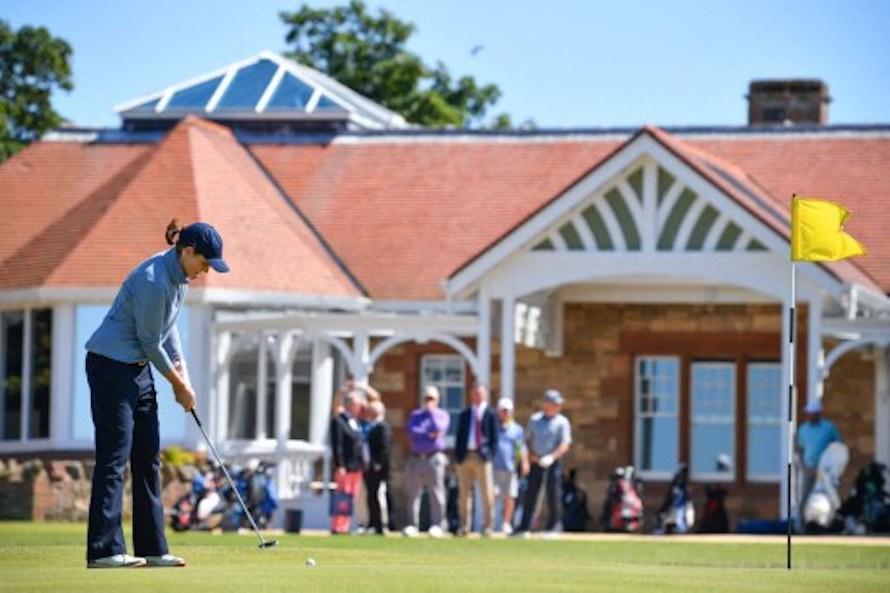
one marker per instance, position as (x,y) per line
(50,557)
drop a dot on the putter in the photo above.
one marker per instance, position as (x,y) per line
(263,542)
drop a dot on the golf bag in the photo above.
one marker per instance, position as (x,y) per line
(714,518)
(202,508)
(257,487)
(867,508)
(820,511)
(623,507)
(574,504)
(677,513)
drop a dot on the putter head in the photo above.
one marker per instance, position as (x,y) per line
(268,543)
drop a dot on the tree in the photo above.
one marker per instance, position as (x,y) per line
(367,53)
(32,64)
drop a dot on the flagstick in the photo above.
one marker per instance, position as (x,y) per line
(791,404)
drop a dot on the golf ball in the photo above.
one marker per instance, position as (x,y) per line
(310,562)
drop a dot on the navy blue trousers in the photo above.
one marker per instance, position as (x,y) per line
(551,479)
(125,417)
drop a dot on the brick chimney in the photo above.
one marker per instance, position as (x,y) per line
(787,102)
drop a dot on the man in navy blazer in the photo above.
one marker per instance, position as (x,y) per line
(474,449)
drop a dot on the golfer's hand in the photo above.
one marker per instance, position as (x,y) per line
(546,461)
(185,397)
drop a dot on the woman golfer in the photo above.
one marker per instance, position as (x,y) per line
(139,329)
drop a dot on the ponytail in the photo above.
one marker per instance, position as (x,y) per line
(172,231)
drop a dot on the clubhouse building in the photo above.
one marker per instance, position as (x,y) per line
(644,273)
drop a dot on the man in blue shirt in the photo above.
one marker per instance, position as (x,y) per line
(140,328)
(549,437)
(511,448)
(813,438)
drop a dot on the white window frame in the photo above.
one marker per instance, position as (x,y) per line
(758,477)
(26,386)
(713,476)
(442,360)
(638,418)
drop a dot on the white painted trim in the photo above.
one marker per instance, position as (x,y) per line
(61,427)
(649,215)
(611,221)
(270,89)
(376,323)
(688,223)
(584,232)
(508,346)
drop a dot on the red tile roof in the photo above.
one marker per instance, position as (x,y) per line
(401,212)
(103,208)
(439,202)
(404,214)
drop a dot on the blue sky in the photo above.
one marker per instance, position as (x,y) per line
(562,63)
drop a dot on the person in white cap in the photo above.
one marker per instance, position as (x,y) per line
(512,455)
(549,436)
(813,437)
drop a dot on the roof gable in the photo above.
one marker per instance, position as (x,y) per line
(653,195)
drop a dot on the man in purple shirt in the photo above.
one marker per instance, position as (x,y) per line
(427,428)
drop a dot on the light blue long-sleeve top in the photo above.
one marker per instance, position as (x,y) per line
(141,324)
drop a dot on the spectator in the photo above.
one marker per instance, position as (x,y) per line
(475,447)
(377,448)
(511,449)
(346,453)
(549,436)
(813,437)
(427,427)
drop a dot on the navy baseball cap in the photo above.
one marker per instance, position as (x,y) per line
(207,241)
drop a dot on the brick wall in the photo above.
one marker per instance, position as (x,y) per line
(595,373)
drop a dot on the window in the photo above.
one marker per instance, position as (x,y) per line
(25,351)
(657,417)
(764,417)
(446,371)
(712,418)
(243,390)
(302,392)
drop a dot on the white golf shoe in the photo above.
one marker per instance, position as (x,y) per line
(167,560)
(117,561)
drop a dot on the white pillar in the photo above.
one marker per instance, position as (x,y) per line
(815,354)
(219,406)
(362,357)
(882,404)
(65,354)
(508,346)
(321,392)
(262,377)
(284,356)
(200,363)
(483,336)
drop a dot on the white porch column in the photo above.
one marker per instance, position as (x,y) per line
(200,361)
(882,404)
(815,353)
(284,355)
(65,354)
(483,335)
(508,346)
(321,392)
(219,406)
(362,356)
(262,380)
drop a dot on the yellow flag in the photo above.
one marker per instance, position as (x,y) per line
(817,231)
